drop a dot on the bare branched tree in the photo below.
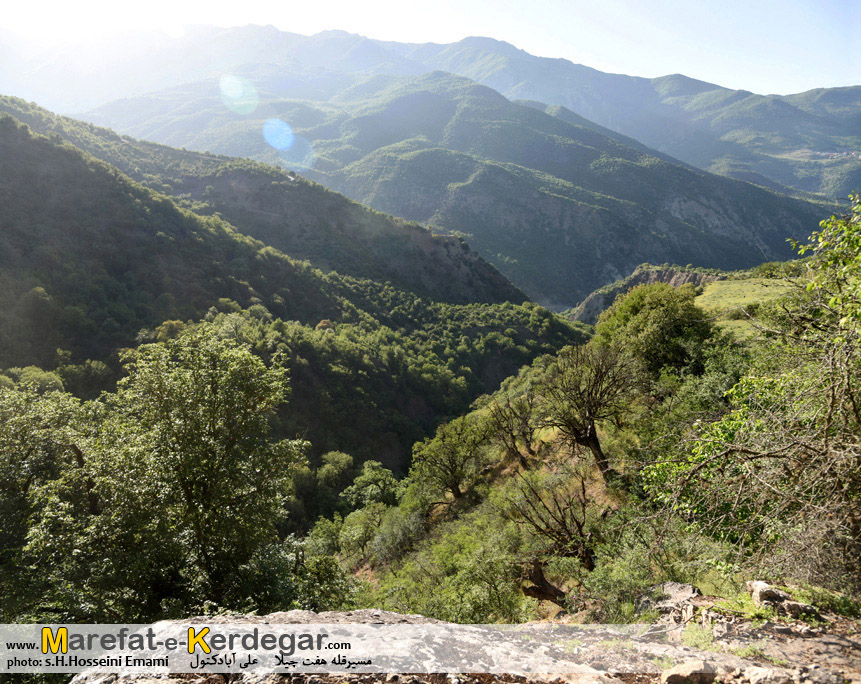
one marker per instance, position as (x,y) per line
(513,423)
(557,512)
(587,384)
(557,509)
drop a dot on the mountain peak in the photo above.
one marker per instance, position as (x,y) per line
(335,33)
(485,43)
(679,84)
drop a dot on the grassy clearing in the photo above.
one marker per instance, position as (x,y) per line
(741,328)
(699,637)
(729,300)
(722,296)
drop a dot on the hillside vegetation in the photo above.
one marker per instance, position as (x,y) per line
(289,213)
(91,262)
(665,449)
(560,207)
(661,449)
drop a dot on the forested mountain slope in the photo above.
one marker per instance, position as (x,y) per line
(289,213)
(559,206)
(91,262)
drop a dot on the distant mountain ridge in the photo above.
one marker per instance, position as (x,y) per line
(559,204)
(807,141)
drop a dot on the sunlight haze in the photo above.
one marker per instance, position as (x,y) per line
(766,46)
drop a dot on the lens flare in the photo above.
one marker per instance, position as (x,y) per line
(231,87)
(238,95)
(278,134)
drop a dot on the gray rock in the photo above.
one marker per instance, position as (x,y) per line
(694,671)
(763,594)
(667,597)
(814,674)
(797,609)
(767,675)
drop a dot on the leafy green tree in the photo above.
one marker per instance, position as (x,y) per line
(359,528)
(38,379)
(86,380)
(325,536)
(202,406)
(175,489)
(835,272)
(468,574)
(335,471)
(289,573)
(398,532)
(375,484)
(38,435)
(660,326)
(452,457)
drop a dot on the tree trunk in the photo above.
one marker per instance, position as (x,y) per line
(541,588)
(587,557)
(600,459)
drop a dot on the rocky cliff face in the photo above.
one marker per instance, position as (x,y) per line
(590,308)
(306,221)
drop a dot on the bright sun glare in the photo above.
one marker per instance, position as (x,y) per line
(623,36)
(59,22)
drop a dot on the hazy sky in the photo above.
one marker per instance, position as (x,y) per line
(777,46)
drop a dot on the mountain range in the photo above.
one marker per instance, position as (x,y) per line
(559,204)
(809,141)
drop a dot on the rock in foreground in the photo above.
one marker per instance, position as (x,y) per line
(773,654)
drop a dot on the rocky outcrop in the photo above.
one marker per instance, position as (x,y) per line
(732,651)
(590,308)
(766,596)
(693,672)
(670,598)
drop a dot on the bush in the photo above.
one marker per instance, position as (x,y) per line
(289,575)
(398,532)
